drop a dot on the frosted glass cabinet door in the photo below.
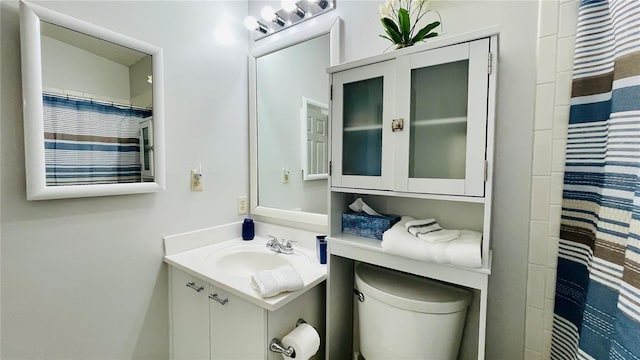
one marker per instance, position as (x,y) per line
(362,99)
(443,94)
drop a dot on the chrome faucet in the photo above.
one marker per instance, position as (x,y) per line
(279,247)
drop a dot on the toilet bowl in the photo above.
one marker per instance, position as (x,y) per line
(403,316)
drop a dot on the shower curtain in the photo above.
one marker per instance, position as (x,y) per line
(597,304)
(90,143)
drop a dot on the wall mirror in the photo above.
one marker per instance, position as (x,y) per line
(92,106)
(289,93)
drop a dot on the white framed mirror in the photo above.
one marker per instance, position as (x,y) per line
(287,74)
(92,107)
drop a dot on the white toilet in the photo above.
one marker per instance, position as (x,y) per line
(404,316)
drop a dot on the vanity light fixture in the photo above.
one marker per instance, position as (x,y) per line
(291,13)
(291,7)
(252,23)
(270,15)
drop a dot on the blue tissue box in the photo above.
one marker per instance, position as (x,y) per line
(369,226)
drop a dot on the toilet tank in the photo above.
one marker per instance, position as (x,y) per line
(404,316)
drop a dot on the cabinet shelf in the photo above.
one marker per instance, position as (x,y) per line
(458,198)
(443,121)
(370,251)
(363,128)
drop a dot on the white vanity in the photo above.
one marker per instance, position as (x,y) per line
(215,314)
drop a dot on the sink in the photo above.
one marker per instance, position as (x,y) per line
(245,260)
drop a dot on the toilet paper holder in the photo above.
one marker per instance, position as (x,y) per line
(276,345)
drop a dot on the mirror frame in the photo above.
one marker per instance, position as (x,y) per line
(37,189)
(322,25)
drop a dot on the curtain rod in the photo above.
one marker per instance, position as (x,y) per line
(102,102)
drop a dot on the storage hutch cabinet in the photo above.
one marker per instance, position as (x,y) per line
(412,134)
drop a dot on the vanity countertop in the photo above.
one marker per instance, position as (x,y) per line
(204,263)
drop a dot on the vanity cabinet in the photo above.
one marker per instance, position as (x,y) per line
(415,123)
(208,322)
(412,134)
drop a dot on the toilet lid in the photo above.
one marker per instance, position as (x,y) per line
(410,292)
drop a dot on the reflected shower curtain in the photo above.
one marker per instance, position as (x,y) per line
(597,304)
(90,143)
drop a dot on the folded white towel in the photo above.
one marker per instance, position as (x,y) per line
(272,282)
(465,251)
(429,230)
(359,206)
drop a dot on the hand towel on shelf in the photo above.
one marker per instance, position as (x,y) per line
(464,251)
(360,206)
(429,230)
(272,282)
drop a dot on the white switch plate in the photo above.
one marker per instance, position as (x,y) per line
(242,205)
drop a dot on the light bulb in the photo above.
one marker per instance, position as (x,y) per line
(268,13)
(292,7)
(250,23)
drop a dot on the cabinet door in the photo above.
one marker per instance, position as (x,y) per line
(443,94)
(238,328)
(189,317)
(362,109)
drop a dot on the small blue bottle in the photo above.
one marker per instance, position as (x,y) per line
(321,242)
(248,230)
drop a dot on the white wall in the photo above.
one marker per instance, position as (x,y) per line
(515,108)
(84,278)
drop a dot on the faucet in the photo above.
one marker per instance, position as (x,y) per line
(279,247)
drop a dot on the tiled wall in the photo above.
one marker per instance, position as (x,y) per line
(556,39)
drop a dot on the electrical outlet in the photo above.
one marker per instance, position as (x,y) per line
(242,205)
(196,181)
(285,175)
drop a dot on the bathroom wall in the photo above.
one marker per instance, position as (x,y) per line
(84,278)
(515,107)
(556,40)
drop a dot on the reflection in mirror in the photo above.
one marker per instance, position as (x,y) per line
(289,93)
(92,109)
(97,104)
(279,92)
(315,127)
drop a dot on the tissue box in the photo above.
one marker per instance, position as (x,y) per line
(369,226)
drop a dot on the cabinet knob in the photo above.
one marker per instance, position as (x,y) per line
(195,287)
(218,299)
(397,124)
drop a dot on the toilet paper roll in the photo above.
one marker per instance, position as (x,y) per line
(304,339)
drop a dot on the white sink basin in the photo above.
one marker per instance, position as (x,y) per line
(245,260)
(229,264)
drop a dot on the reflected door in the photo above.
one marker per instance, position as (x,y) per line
(362,99)
(443,93)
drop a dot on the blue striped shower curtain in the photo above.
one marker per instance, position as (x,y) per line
(597,303)
(90,143)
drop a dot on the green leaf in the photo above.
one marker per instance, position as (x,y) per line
(392,30)
(388,38)
(405,24)
(422,34)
